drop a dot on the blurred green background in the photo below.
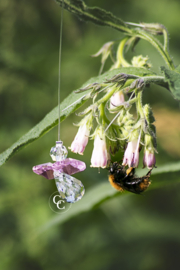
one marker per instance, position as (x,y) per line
(127,232)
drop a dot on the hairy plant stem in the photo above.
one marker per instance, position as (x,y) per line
(107,96)
(120,55)
(139,105)
(88,14)
(144,35)
(166,40)
(103,120)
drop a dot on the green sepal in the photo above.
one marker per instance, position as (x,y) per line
(148,114)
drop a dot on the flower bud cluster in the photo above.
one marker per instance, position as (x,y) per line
(129,131)
(124,131)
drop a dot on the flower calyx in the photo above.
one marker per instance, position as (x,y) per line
(105,51)
(137,85)
(153,28)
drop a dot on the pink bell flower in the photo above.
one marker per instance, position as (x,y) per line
(81,139)
(100,155)
(149,159)
(131,155)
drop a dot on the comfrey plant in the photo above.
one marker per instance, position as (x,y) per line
(125,131)
(111,120)
(119,90)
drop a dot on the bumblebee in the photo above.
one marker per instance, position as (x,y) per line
(122,179)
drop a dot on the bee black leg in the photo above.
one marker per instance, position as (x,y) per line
(138,185)
(149,173)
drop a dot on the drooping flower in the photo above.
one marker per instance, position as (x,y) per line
(80,140)
(82,136)
(100,155)
(117,99)
(131,155)
(149,159)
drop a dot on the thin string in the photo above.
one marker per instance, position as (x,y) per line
(59,75)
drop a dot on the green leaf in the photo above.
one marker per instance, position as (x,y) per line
(100,193)
(48,122)
(172,77)
(51,119)
(94,14)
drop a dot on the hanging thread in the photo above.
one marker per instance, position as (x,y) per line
(59,74)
